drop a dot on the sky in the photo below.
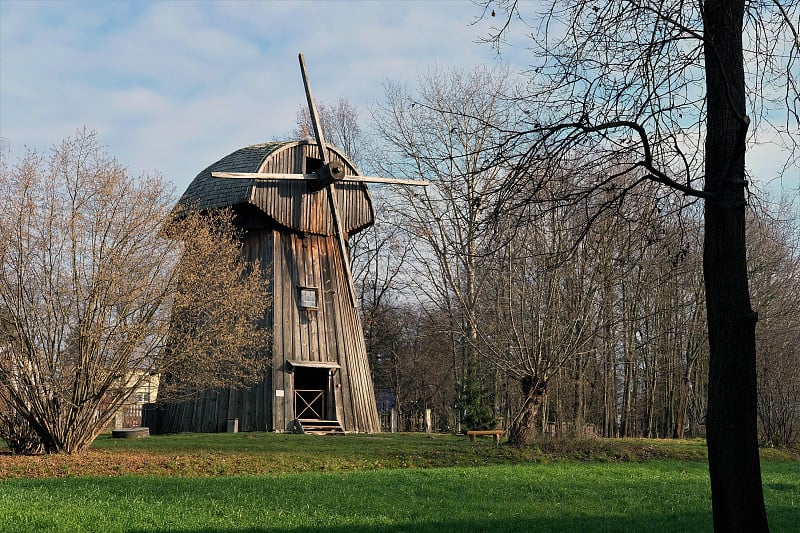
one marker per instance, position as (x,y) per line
(171,86)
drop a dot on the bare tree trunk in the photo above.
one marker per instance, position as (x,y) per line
(627,398)
(559,417)
(579,400)
(650,384)
(609,374)
(523,427)
(609,396)
(736,491)
(684,398)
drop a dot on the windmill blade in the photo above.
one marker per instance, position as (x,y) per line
(337,225)
(312,109)
(393,181)
(323,155)
(264,176)
(311,177)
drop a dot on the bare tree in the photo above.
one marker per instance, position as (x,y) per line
(389,317)
(774,265)
(341,126)
(675,88)
(97,274)
(438,132)
(543,309)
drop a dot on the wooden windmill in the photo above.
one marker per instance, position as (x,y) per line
(297,204)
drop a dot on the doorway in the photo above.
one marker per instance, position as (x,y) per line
(311,393)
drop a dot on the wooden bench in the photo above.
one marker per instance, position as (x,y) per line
(495,433)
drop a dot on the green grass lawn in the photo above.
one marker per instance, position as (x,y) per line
(382,483)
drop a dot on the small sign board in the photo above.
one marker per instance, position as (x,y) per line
(307,297)
(279,393)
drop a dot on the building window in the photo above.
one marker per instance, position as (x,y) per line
(142,397)
(313,164)
(308,297)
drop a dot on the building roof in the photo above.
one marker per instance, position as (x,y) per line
(207,192)
(286,203)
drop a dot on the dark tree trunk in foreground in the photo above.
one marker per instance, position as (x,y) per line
(736,492)
(523,427)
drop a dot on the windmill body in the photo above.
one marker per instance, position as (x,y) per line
(320,370)
(297,204)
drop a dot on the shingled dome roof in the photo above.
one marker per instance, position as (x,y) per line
(288,203)
(206,192)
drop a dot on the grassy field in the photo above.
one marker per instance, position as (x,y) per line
(271,482)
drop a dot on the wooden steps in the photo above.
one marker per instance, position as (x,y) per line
(318,427)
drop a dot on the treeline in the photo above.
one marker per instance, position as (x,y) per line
(563,295)
(613,328)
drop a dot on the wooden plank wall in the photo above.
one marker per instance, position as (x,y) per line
(291,205)
(359,409)
(333,333)
(210,411)
(299,335)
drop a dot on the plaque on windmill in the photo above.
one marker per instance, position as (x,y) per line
(308,297)
(297,204)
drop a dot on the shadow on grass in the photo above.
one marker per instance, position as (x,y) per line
(684,522)
(655,523)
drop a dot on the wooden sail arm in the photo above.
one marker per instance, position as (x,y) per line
(276,176)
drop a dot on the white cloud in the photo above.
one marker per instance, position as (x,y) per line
(173,86)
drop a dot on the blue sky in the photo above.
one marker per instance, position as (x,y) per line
(172,86)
